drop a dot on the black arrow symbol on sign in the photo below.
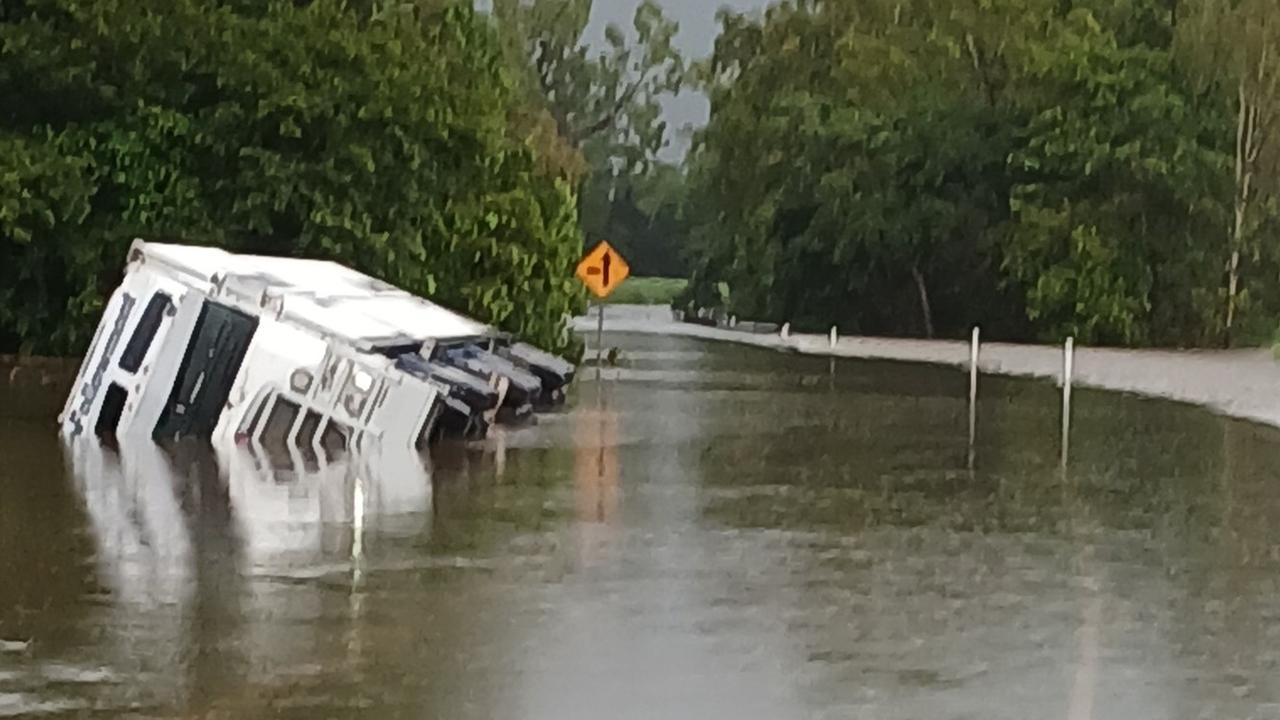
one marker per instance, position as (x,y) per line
(603,271)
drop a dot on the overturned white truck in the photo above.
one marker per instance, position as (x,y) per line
(200,343)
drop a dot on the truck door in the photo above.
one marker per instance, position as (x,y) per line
(209,368)
(404,408)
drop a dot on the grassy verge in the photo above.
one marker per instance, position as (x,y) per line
(648,291)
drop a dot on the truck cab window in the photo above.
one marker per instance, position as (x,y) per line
(157,308)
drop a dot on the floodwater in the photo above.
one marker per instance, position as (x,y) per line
(712,532)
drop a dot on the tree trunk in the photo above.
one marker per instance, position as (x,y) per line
(1233,265)
(1233,285)
(1248,146)
(925,312)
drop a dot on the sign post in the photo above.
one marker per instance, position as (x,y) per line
(602,270)
(599,339)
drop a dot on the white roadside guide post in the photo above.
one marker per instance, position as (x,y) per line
(835,336)
(1068,370)
(786,331)
(973,392)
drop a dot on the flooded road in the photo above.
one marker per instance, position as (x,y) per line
(713,531)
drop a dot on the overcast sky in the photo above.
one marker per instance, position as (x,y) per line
(698,30)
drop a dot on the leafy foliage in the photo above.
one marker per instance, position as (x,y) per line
(1042,168)
(875,169)
(603,103)
(648,291)
(644,218)
(1230,47)
(599,114)
(1118,220)
(375,137)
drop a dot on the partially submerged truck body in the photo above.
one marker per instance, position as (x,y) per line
(283,353)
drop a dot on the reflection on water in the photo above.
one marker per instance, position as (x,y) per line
(713,532)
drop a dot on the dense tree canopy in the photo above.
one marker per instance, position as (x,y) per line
(1099,168)
(1231,49)
(598,112)
(643,216)
(1039,167)
(604,103)
(377,137)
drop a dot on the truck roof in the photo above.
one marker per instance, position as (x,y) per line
(327,297)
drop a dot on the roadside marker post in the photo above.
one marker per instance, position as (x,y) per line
(602,270)
(974,348)
(1068,370)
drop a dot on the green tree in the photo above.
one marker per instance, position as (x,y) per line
(1233,49)
(610,99)
(379,138)
(644,218)
(1118,195)
(1041,167)
(877,165)
(600,110)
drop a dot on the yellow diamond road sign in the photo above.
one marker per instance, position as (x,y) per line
(603,270)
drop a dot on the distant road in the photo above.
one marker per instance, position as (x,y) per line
(1238,383)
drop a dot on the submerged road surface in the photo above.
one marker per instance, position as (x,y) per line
(713,531)
(1240,383)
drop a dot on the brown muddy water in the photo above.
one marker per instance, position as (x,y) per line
(713,532)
